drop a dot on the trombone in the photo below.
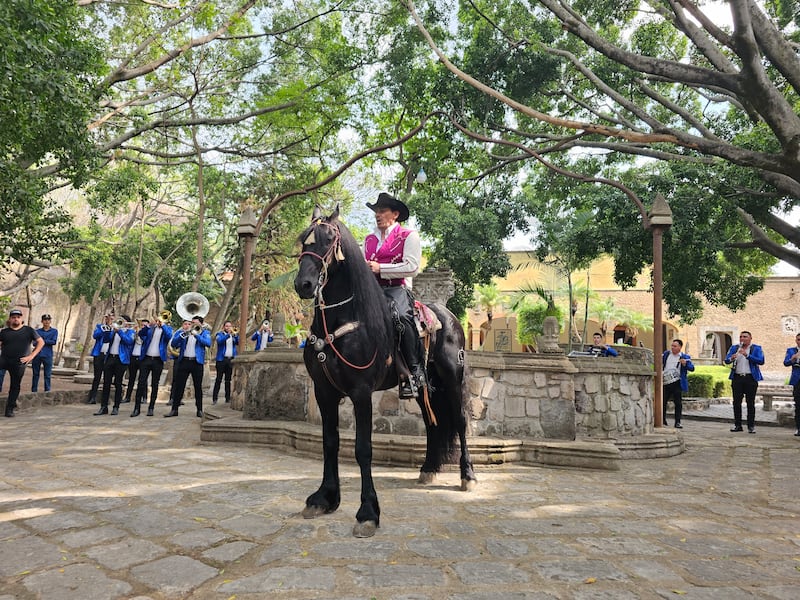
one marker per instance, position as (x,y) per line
(122,324)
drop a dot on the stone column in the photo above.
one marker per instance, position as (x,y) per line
(434,286)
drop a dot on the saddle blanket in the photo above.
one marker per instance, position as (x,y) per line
(426,319)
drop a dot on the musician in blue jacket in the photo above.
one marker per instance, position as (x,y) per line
(793,360)
(263,335)
(745,359)
(676,365)
(118,358)
(191,341)
(227,342)
(102,337)
(155,338)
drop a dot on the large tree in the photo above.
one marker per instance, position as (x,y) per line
(579,86)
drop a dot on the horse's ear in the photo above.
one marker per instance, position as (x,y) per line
(317,214)
(335,213)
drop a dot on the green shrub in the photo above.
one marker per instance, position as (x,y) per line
(530,321)
(722,388)
(701,385)
(719,385)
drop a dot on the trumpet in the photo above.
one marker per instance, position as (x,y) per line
(235,331)
(197,329)
(122,323)
(164,317)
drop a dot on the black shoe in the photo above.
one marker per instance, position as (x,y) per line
(126,401)
(751,430)
(678,426)
(149,412)
(737,428)
(91,400)
(136,412)
(103,411)
(213,402)
(227,401)
(666,423)
(200,413)
(797,433)
(172,413)
(9,413)
(115,410)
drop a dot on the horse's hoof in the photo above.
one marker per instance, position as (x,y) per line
(467,485)
(311,512)
(426,478)
(365,529)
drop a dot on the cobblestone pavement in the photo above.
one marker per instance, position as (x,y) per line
(115,507)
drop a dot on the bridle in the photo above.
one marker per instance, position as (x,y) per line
(333,253)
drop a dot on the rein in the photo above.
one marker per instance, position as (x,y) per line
(334,251)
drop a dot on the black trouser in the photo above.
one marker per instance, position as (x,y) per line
(113,371)
(674,391)
(796,394)
(400,299)
(15,372)
(133,370)
(98,365)
(224,368)
(185,368)
(149,365)
(744,386)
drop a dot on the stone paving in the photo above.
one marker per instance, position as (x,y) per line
(115,507)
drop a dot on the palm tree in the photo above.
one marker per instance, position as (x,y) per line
(636,322)
(488,297)
(607,314)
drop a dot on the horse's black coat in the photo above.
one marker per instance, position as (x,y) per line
(360,359)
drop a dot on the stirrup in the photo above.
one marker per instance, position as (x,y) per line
(408,388)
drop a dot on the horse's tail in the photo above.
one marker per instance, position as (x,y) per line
(449,395)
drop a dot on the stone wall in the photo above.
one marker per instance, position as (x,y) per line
(511,394)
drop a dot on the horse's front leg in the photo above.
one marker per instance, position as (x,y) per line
(326,499)
(369,513)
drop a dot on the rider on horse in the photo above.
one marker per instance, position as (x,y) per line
(393,253)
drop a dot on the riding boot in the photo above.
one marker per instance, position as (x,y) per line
(409,347)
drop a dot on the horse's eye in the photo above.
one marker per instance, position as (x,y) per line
(309,239)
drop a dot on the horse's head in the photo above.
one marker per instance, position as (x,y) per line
(321,249)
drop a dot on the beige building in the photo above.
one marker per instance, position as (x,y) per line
(772,315)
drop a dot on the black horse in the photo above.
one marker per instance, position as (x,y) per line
(350,352)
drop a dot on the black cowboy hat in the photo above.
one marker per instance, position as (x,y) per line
(392,203)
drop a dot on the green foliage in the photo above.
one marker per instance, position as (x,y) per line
(708,381)
(467,227)
(701,385)
(530,321)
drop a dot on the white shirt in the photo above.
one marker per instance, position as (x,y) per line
(742,364)
(152,348)
(190,351)
(229,347)
(673,362)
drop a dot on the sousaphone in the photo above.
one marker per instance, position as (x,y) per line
(192,304)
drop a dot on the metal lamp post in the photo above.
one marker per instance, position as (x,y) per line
(660,220)
(248,223)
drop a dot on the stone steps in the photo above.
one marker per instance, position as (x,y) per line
(222,424)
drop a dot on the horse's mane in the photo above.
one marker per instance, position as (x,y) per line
(367,293)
